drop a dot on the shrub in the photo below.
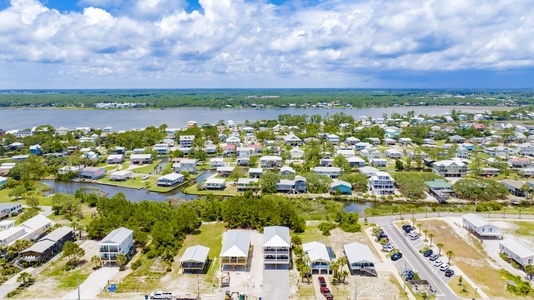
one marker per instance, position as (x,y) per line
(325,228)
(136,264)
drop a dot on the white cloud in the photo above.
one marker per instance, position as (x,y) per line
(141,39)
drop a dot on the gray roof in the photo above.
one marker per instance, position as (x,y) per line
(195,254)
(7,205)
(518,248)
(357,252)
(57,234)
(316,251)
(235,243)
(40,247)
(39,221)
(276,236)
(117,236)
(476,220)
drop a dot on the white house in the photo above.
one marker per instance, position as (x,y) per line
(450,168)
(276,245)
(245,151)
(115,158)
(479,226)
(185,165)
(217,162)
(161,148)
(292,140)
(141,159)
(378,162)
(332,138)
(381,183)
(6,224)
(318,257)
(296,153)
(121,175)
(393,153)
(270,162)
(171,179)
(244,184)
(235,248)
(286,170)
(356,162)
(119,241)
(186,141)
(233,140)
(369,171)
(194,258)
(36,227)
(518,251)
(332,172)
(347,153)
(360,258)
(214,183)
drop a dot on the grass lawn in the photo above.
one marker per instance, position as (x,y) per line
(164,189)
(312,234)
(228,191)
(525,228)
(454,284)
(142,279)
(136,183)
(468,257)
(147,168)
(305,290)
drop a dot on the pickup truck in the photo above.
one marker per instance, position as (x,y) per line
(161,296)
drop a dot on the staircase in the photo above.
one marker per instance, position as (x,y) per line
(369,271)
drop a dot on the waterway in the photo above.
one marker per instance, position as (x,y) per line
(128,119)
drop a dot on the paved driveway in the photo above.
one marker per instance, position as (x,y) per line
(276,284)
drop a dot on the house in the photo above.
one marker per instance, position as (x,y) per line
(284,171)
(518,251)
(115,159)
(351,141)
(36,150)
(3,181)
(391,132)
(514,187)
(276,245)
(479,226)
(519,162)
(318,257)
(185,165)
(374,141)
(225,171)
(121,175)
(16,145)
(296,153)
(326,162)
(36,227)
(169,140)
(332,138)
(243,161)
(245,151)
(169,180)
(214,184)
(332,172)
(292,140)
(161,149)
(381,183)
(489,172)
(19,157)
(369,171)
(271,162)
(356,162)
(379,162)
(194,259)
(457,139)
(296,186)
(186,141)
(93,173)
(343,187)
(235,249)
(405,141)
(393,153)
(228,149)
(244,184)
(210,148)
(479,127)
(141,159)
(371,153)
(119,241)
(233,140)
(525,149)
(450,168)
(47,246)
(362,145)
(6,224)
(462,153)
(69,169)
(527,172)
(255,172)
(217,162)
(23,133)
(10,235)
(138,150)
(62,130)
(347,153)
(8,209)
(360,258)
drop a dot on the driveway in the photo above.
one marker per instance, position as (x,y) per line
(276,284)
(94,284)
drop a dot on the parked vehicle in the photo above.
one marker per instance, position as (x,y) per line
(396,256)
(327,293)
(444,267)
(389,247)
(449,272)
(433,257)
(408,274)
(414,237)
(438,263)
(161,295)
(428,252)
(407,228)
(225,280)
(382,236)
(322,281)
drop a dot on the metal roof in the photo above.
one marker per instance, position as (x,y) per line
(518,248)
(36,222)
(357,252)
(476,220)
(117,236)
(57,234)
(316,251)
(195,254)
(40,246)
(276,236)
(235,243)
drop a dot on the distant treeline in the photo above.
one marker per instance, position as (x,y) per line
(220,98)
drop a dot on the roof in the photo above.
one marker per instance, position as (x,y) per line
(117,236)
(93,169)
(171,176)
(519,249)
(195,254)
(39,221)
(476,220)
(10,232)
(340,182)
(449,162)
(276,236)
(246,180)
(513,183)
(326,169)
(438,183)
(57,234)
(357,252)
(316,251)
(40,246)
(235,243)
(215,180)
(121,173)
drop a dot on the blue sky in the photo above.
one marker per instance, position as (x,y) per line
(262,43)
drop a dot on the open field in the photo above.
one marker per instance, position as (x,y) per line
(230,190)
(146,169)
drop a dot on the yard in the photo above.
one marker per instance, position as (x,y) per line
(146,169)
(136,183)
(469,257)
(230,190)
(465,290)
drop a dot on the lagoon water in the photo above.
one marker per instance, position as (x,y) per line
(127,119)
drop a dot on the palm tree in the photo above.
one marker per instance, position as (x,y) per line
(81,228)
(529,269)
(24,277)
(425,232)
(419,226)
(439,245)
(334,266)
(95,259)
(74,226)
(413,221)
(430,235)
(20,245)
(121,260)
(450,253)
(307,270)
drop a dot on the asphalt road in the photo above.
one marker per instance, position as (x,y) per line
(415,261)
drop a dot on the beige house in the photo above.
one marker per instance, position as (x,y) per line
(236,249)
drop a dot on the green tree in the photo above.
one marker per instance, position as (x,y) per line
(449,253)
(529,269)
(439,245)
(21,244)
(95,260)
(121,261)
(32,201)
(431,236)
(24,277)
(268,181)
(72,252)
(399,165)
(341,162)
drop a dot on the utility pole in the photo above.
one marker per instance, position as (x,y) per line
(78,282)
(404,278)
(356,291)
(198,287)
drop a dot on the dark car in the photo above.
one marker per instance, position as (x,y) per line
(396,256)
(433,257)
(449,272)
(408,275)
(326,293)
(428,252)
(407,228)
(383,236)
(322,281)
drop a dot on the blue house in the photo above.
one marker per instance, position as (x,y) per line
(36,150)
(344,187)
(2,181)
(391,132)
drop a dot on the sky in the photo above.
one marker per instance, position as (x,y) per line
(87,44)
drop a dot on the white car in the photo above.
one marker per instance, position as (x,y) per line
(414,237)
(438,263)
(390,248)
(444,267)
